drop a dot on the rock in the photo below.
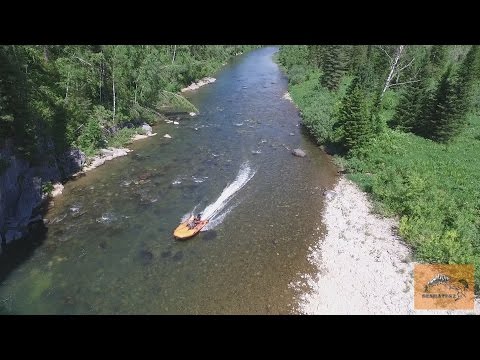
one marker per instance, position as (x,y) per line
(71,161)
(57,189)
(146,257)
(287,96)
(178,256)
(106,152)
(35,219)
(192,114)
(167,136)
(13,235)
(139,137)
(200,83)
(147,129)
(30,197)
(166,254)
(46,221)
(329,194)
(106,155)
(176,123)
(292,134)
(299,152)
(209,235)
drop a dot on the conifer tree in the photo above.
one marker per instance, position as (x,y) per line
(333,67)
(413,102)
(445,119)
(355,122)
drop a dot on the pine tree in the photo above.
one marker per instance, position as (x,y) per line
(445,119)
(316,54)
(467,74)
(355,123)
(333,67)
(438,55)
(410,110)
(357,57)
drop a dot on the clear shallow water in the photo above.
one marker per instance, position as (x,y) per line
(109,247)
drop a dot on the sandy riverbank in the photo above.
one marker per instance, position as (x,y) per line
(363,266)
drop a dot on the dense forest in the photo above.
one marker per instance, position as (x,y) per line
(54,97)
(403,121)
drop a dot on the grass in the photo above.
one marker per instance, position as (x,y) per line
(122,137)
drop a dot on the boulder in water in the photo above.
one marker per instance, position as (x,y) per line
(146,257)
(329,194)
(57,189)
(178,256)
(167,136)
(299,152)
(147,129)
(166,254)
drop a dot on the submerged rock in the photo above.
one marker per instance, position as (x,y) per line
(166,254)
(299,152)
(146,257)
(208,235)
(178,256)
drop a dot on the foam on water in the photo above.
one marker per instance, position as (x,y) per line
(213,212)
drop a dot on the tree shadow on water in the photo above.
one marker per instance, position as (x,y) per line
(17,252)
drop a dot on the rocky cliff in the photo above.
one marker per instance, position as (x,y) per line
(21,183)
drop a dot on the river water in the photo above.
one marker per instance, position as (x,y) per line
(109,247)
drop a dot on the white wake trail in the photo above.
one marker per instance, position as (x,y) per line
(213,212)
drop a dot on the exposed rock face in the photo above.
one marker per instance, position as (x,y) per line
(21,186)
(71,161)
(20,193)
(299,152)
(21,182)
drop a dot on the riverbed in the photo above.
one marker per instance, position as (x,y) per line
(109,249)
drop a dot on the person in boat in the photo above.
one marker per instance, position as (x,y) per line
(196,220)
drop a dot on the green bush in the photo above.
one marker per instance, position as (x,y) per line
(91,137)
(297,74)
(122,137)
(47,188)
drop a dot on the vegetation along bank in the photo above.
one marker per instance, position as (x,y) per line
(403,123)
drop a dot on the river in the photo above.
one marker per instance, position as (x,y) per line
(109,247)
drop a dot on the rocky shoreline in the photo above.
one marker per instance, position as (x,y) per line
(23,194)
(196,85)
(364,267)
